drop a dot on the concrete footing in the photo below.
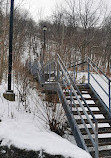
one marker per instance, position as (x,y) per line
(9,95)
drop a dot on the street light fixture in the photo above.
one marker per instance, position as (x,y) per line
(44,46)
(44,28)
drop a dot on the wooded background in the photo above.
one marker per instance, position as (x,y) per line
(73,31)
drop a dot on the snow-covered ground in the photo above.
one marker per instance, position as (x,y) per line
(26,131)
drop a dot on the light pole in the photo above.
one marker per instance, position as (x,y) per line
(10,45)
(44,46)
(9,95)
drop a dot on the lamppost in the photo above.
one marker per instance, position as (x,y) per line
(9,95)
(44,46)
(10,45)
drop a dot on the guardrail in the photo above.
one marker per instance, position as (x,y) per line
(63,77)
(94,75)
(68,81)
(101,80)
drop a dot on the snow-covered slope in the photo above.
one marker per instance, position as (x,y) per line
(25,131)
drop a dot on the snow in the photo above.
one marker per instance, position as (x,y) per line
(105,135)
(99,125)
(26,135)
(84,95)
(103,82)
(97,116)
(25,131)
(105,147)
(87,101)
(80,109)
(99,90)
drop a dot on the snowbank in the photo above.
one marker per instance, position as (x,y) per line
(25,131)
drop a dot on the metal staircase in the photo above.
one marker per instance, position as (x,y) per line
(88,113)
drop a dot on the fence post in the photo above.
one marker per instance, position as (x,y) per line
(109,96)
(88,72)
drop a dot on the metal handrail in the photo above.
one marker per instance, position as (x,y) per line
(72,64)
(100,85)
(65,71)
(88,59)
(98,73)
(65,101)
(77,88)
(93,66)
(101,74)
(95,130)
(49,62)
(61,70)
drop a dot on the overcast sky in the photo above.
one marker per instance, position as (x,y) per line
(44,8)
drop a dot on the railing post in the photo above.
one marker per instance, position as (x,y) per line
(96,140)
(74,74)
(57,72)
(88,72)
(109,96)
(58,67)
(71,99)
(49,72)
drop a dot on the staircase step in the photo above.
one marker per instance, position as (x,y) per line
(100,125)
(91,108)
(99,121)
(100,136)
(86,96)
(103,153)
(82,86)
(100,130)
(90,105)
(94,112)
(100,144)
(82,92)
(104,129)
(101,148)
(91,99)
(85,89)
(100,140)
(97,116)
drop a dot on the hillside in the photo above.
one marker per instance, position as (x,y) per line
(24,131)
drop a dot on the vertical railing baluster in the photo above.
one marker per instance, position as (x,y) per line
(88,72)
(96,140)
(47,70)
(49,73)
(71,99)
(58,75)
(74,74)
(109,96)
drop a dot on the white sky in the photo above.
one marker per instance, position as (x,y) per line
(43,8)
(39,8)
